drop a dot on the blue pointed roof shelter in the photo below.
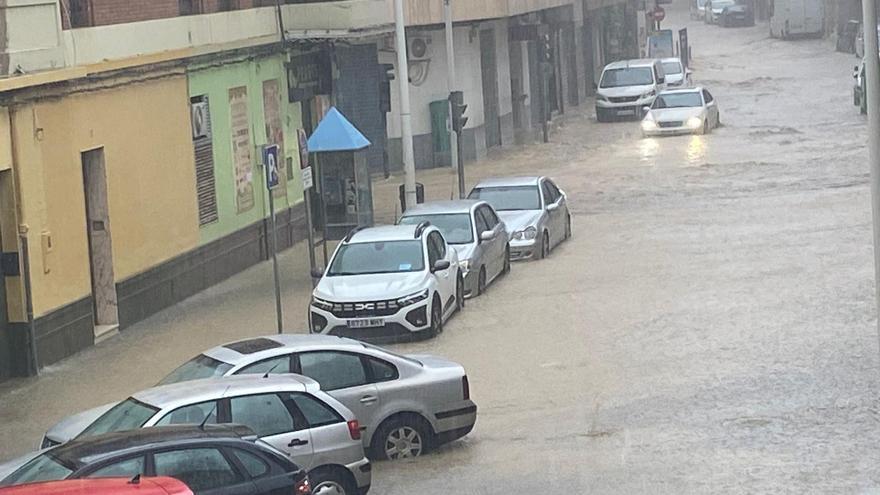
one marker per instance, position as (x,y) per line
(336,133)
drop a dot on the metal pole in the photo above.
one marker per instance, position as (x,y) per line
(313,263)
(454,151)
(409,161)
(276,272)
(872,78)
(34,362)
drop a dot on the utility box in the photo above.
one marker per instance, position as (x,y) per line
(420,195)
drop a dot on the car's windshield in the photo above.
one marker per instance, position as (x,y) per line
(364,258)
(719,4)
(129,414)
(629,76)
(678,100)
(455,227)
(672,67)
(197,368)
(509,198)
(44,467)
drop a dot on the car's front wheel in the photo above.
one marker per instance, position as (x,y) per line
(459,294)
(568,227)
(506,269)
(436,317)
(481,281)
(545,246)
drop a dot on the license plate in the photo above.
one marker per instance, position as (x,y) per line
(368,323)
(626,112)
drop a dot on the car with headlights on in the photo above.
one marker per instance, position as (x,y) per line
(207,459)
(405,404)
(388,284)
(288,412)
(475,232)
(681,111)
(534,210)
(627,86)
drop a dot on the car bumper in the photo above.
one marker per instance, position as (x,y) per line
(524,250)
(363,474)
(454,423)
(408,323)
(669,131)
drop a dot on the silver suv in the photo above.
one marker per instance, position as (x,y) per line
(288,412)
(388,283)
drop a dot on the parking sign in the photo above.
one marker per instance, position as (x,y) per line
(270,161)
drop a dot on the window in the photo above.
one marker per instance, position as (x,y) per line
(456,227)
(509,198)
(189,7)
(201,469)
(276,365)
(122,469)
(707,96)
(549,196)
(672,68)
(488,217)
(252,463)
(364,258)
(42,468)
(439,243)
(266,414)
(433,252)
(316,412)
(630,76)
(482,224)
(80,12)
(191,415)
(382,371)
(678,100)
(129,414)
(553,190)
(333,370)
(197,368)
(206,187)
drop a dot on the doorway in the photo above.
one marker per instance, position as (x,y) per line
(105,300)
(489,66)
(6,270)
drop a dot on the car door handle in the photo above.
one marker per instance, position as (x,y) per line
(296,442)
(369,399)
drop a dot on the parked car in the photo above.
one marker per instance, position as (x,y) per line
(426,396)
(208,459)
(698,9)
(714,9)
(627,86)
(676,74)
(846,38)
(288,412)
(682,111)
(533,208)
(103,486)
(741,13)
(796,18)
(388,283)
(476,233)
(859,89)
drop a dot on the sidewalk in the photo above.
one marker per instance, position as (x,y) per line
(242,306)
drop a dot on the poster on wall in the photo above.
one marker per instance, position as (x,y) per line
(241,149)
(274,126)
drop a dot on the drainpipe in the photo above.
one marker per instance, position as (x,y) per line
(33,361)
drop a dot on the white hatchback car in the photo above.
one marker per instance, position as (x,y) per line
(682,111)
(388,284)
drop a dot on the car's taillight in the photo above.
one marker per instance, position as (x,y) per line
(465,387)
(354,429)
(303,487)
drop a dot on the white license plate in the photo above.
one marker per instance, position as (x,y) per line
(368,323)
(626,112)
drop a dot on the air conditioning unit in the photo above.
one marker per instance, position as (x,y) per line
(419,48)
(201,120)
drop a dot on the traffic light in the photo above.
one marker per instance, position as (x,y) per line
(546,48)
(456,99)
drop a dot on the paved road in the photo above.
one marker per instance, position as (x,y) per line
(709,329)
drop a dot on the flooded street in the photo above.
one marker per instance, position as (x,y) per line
(709,329)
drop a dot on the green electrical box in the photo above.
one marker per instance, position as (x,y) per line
(439,132)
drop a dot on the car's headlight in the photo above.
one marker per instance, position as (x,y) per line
(648,125)
(412,299)
(322,304)
(526,234)
(694,122)
(464,265)
(601,98)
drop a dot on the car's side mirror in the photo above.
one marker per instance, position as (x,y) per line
(487,236)
(553,207)
(317,272)
(661,80)
(440,265)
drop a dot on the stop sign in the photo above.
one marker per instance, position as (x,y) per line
(659,13)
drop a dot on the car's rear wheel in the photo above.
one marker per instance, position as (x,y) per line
(326,481)
(402,437)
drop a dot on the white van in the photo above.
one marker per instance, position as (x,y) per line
(628,86)
(796,17)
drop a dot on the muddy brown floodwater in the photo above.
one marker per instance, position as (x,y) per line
(709,329)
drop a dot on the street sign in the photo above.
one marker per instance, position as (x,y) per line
(304,165)
(659,13)
(271,161)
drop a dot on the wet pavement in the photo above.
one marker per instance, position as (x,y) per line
(710,328)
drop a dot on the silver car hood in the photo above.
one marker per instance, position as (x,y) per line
(675,114)
(520,219)
(354,288)
(71,426)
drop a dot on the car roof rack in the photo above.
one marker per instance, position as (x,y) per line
(352,233)
(420,228)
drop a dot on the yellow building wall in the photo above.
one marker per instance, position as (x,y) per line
(145,131)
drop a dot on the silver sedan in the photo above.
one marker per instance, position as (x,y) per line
(534,210)
(477,234)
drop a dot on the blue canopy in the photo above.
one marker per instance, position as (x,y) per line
(336,133)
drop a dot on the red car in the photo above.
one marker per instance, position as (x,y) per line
(103,486)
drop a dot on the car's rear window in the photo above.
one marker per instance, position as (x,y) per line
(197,368)
(129,414)
(42,468)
